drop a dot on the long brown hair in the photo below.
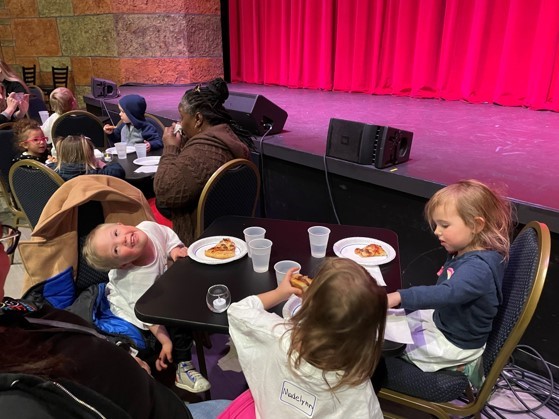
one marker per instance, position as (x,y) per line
(474,199)
(10,74)
(340,326)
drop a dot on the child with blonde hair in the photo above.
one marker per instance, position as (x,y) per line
(30,141)
(62,100)
(319,362)
(76,157)
(454,317)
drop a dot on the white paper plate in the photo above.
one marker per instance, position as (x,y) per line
(345,248)
(129,149)
(197,249)
(147,161)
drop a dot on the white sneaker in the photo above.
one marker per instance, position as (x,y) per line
(189,379)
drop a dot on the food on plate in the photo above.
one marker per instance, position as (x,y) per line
(370,250)
(224,249)
(300,281)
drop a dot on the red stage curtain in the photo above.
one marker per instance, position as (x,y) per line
(500,51)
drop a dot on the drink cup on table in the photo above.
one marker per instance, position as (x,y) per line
(252,233)
(283,266)
(261,250)
(44,115)
(141,150)
(318,238)
(121,150)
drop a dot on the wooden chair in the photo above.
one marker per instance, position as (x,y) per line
(522,286)
(232,190)
(32,184)
(59,79)
(80,122)
(29,74)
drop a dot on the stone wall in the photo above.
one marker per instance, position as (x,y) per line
(127,41)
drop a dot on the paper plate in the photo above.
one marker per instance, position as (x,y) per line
(147,161)
(196,250)
(345,248)
(129,149)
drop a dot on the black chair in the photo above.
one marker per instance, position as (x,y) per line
(433,392)
(36,103)
(7,154)
(29,74)
(80,122)
(32,184)
(156,122)
(232,190)
(59,79)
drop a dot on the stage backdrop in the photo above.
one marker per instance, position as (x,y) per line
(500,51)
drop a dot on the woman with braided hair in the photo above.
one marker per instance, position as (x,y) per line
(206,139)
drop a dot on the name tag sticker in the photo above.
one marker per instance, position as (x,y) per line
(300,399)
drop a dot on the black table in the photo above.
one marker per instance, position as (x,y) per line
(179,296)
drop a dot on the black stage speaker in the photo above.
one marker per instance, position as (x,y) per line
(255,113)
(103,88)
(368,144)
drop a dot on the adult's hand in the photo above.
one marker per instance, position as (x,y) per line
(143,364)
(24,105)
(11,104)
(169,138)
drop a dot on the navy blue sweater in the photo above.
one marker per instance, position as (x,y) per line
(71,170)
(465,299)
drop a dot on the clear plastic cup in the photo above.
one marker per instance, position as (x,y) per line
(252,233)
(283,266)
(261,250)
(121,150)
(318,238)
(141,150)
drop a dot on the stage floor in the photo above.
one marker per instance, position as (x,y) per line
(510,148)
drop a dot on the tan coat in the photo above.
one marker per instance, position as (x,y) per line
(54,241)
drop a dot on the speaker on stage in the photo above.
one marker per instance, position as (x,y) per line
(368,144)
(255,113)
(104,88)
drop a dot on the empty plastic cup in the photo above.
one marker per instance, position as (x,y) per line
(261,250)
(252,233)
(318,238)
(121,150)
(44,115)
(283,266)
(141,149)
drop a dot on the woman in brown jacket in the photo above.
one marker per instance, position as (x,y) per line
(206,139)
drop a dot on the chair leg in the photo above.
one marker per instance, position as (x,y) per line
(198,338)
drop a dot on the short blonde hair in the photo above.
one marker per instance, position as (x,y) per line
(75,149)
(475,199)
(89,252)
(62,100)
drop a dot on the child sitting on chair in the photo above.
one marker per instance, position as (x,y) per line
(76,157)
(454,317)
(61,100)
(30,140)
(136,257)
(135,128)
(319,362)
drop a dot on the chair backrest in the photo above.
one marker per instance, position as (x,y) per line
(32,184)
(60,77)
(36,103)
(29,74)
(156,122)
(232,190)
(7,153)
(522,286)
(77,123)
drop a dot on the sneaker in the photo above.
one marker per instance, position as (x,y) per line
(189,379)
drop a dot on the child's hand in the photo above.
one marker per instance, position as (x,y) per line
(108,128)
(179,252)
(100,163)
(285,287)
(165,356)
(148,146)
(394,299)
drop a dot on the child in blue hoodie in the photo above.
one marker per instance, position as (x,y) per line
(454,317)
(135,128)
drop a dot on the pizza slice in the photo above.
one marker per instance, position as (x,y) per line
(370,250)
(224,249)
(300,281)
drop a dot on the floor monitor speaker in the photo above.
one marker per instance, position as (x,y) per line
(104,88)
(367,143)
(255,113)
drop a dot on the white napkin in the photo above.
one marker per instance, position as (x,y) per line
(98,154)
(397,328)
(146,169)
(377,274)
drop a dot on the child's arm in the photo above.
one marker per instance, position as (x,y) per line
(394,299)
(181,251)
(281,293)
(165,356)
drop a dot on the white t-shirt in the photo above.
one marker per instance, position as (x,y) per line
(47,126)
(278,390)
(126,286)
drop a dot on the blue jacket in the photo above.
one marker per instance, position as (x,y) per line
(134,106)
(465,299)
(71,170)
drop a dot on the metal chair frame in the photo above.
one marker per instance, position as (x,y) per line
(79,113)
(477,401)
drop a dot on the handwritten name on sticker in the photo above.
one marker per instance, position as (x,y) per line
(300,399)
